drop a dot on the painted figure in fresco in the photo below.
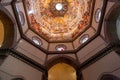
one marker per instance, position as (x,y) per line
(64,27)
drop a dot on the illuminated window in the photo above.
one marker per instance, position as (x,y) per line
(21,17)
(61,47)
(37,41)
(84,38)
(59,6)
(97,15)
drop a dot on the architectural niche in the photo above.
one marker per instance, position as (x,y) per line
(112,25)
(8,27)
(109,77)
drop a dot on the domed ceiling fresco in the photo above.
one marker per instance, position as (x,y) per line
(58,20)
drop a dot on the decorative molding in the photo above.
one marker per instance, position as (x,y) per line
(24,58)
(44,69)
(97,56)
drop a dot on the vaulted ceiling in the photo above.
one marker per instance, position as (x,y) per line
(59,25)
(52,30)
(47,32)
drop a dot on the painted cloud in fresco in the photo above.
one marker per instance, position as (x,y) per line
(58,28)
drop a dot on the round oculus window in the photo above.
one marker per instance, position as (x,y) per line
(84,38)
(21,18)
(97,15)
(59,6)
(37,41)
(61,47)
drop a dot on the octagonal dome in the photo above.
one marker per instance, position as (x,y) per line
(63,22)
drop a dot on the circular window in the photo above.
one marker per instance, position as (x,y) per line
(61,47)
(21,17)
(37,41)
(97,15)
(84,38)
(59,6)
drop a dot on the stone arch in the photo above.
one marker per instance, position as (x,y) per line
(110,24)
(63,59)
(109,77)
(9,26)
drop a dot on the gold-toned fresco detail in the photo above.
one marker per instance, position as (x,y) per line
(58,26)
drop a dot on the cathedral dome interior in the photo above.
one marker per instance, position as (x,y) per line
(59,39)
